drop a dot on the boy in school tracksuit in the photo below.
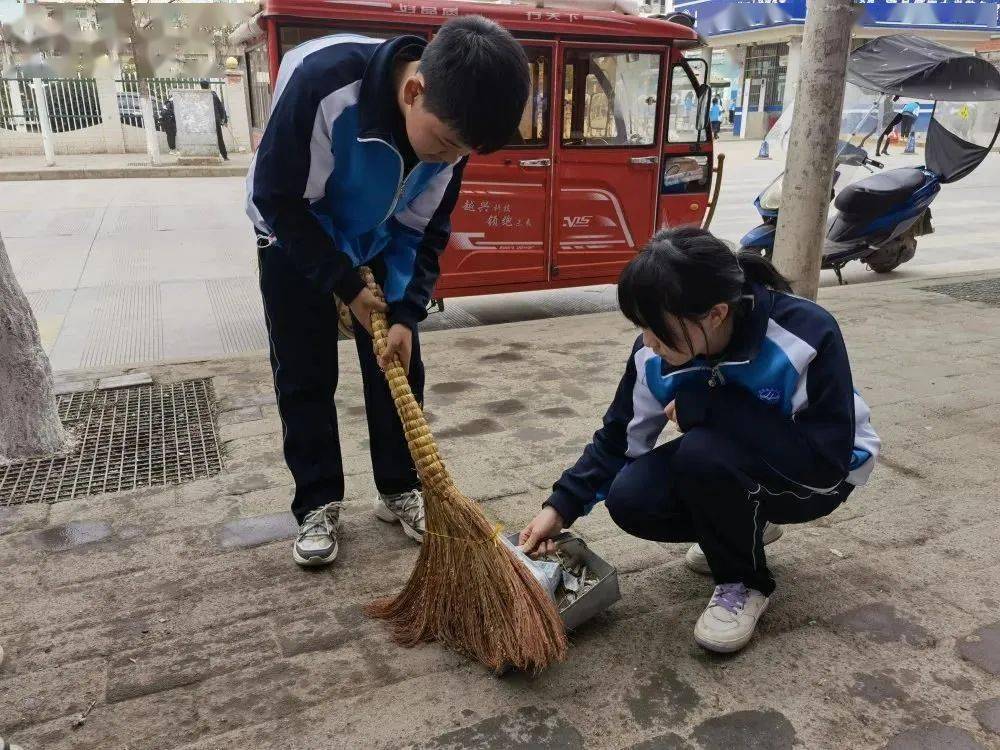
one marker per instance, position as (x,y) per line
(361,163)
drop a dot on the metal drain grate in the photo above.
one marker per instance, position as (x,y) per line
(146,435)
(986,291)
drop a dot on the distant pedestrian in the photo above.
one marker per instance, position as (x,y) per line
(169,119)
(221,118)
(732,111)
(909,112)
(715,116)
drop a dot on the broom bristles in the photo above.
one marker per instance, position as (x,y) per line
(467,591)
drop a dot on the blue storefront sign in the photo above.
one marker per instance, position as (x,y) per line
(715,17)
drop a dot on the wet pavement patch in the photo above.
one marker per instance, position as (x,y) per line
(505,406)
(882,624)
(445,389)
(470,429)
(537,434)
(959,682)
(502,357)
(761,730)
(470,343)
(933,735)
(662,696)
(251,532)
(73,534)
(525,729)
(557,411)
(988,714)
(876,688)
(982,648)
(668,741)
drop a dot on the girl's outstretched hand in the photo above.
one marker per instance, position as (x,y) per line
(536,538)
(671,412)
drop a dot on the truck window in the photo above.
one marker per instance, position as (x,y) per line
(682,125)
(610,98)
(533,131)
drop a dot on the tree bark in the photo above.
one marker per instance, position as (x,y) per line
(812,146)
(29,419)
(143,72)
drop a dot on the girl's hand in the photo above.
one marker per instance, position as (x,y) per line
(671,412)
(536,538)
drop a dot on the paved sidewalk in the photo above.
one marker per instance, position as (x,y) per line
(178,618)
(113,166)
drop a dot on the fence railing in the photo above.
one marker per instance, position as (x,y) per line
(73,104)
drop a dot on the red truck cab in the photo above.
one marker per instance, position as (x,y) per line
(613,144)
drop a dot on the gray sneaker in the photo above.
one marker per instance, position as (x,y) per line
(406,509)
(316,543)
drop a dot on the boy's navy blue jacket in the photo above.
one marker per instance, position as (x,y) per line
(784,391)
(327,181)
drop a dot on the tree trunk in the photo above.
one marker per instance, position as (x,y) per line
(143,72)
(812,146)
(29,419)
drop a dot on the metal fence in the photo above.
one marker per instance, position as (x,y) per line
(73,104)
(128,88)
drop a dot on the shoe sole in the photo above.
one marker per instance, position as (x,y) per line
(383,513)
(700,565)
(729,647)
(314,562)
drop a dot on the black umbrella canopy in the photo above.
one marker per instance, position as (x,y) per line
(918,68)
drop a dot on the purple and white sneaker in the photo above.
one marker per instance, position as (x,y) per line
(727,624)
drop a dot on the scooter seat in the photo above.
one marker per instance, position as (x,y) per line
(874,194)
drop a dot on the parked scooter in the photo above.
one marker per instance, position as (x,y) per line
(879,217)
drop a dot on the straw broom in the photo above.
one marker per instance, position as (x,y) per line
(468,590)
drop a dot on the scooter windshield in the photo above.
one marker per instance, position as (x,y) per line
(960,136)
(864,118)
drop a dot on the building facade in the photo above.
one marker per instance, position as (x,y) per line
(757,44)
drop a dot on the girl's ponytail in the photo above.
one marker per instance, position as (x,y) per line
(760,270)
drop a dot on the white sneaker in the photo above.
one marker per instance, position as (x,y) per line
(407,509)
(316,543)
(728,623)
(696,560)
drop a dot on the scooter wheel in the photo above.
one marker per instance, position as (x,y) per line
(893,255)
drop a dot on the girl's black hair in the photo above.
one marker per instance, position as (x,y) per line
(685,272)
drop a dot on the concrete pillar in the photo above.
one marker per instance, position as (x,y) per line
(111,127)
(792,71)
(44,124)
(17,105)
(745,113)
(237,108)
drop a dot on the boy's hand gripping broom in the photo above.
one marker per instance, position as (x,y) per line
(467,591)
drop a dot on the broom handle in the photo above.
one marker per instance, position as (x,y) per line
(423,450)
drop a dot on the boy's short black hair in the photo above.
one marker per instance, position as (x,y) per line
(477,81)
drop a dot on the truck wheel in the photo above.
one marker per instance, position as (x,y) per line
(345,325)
(893,255)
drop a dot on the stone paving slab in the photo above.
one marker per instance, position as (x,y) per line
(178,613)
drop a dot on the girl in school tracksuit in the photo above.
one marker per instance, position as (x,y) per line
(759,386)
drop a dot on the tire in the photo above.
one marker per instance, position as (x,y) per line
(893,255)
